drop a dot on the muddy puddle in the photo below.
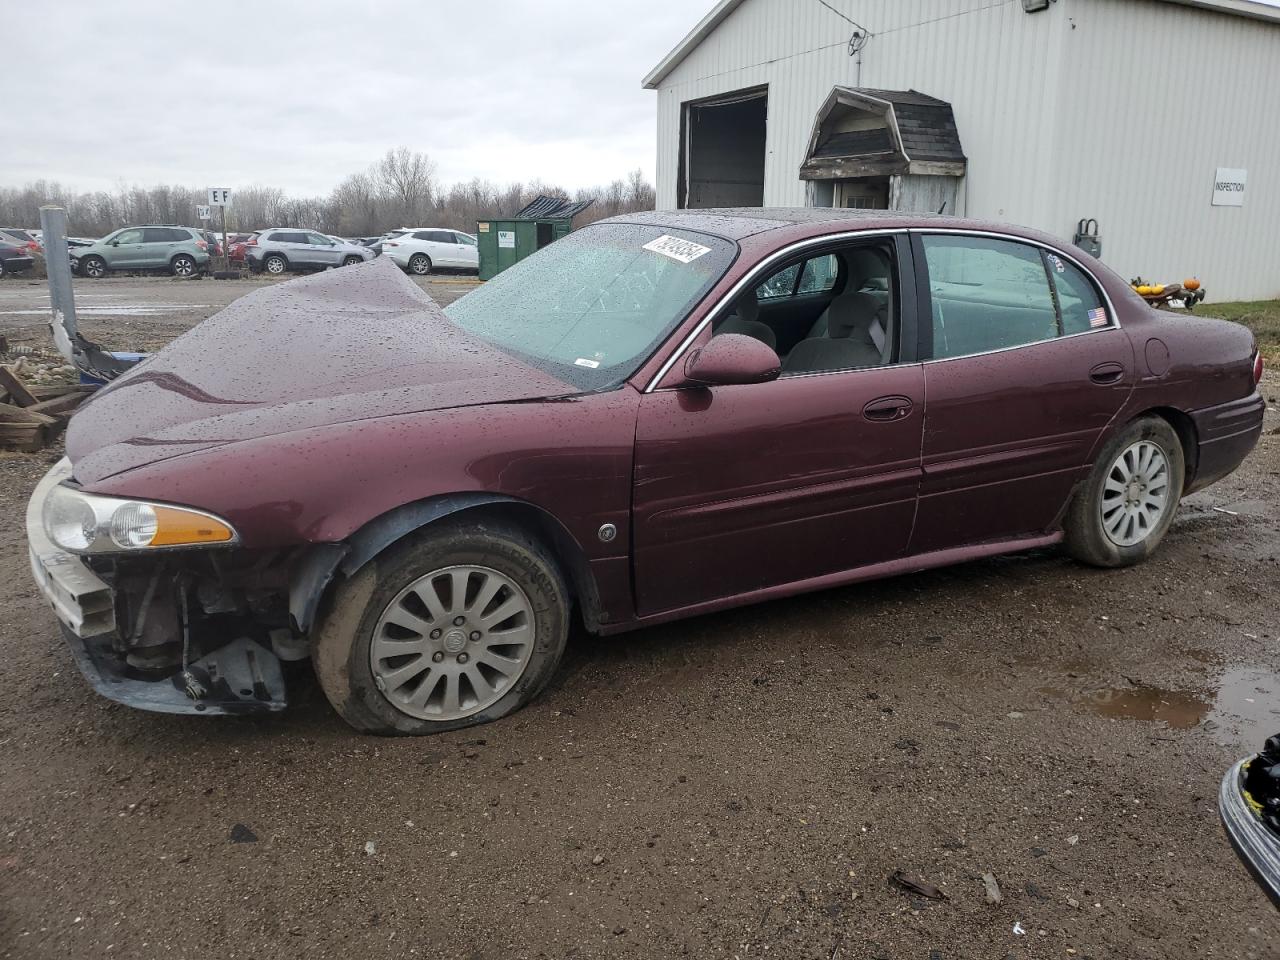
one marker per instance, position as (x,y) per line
(1242,712)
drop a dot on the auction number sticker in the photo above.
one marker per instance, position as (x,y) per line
(686,251)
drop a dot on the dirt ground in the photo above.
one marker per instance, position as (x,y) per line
(739,785)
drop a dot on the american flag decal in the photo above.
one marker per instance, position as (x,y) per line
(1097,317)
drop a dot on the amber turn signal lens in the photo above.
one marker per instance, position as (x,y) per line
(176,528)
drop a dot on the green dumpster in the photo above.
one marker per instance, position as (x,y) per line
(504,242)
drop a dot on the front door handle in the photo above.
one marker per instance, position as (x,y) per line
(1105,373)
(884,409)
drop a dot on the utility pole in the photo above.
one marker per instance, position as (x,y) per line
(62,300)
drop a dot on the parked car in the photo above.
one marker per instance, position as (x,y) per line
(373,243)
(238,244)
(422,250)
(281,250)
(23,238)
(14,258)
(214,244)
(183,251)
(658,416)
(1249,804)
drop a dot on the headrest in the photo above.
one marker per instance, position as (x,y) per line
(865,263)
(748,307)
(851,315)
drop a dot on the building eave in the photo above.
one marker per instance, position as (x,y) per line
(721,11)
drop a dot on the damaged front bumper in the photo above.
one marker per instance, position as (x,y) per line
(1257,843)
(236,677)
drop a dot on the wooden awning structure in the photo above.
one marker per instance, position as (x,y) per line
(872,133)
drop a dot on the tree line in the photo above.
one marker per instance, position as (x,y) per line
(400,189)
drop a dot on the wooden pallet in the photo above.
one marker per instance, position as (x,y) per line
(32,417)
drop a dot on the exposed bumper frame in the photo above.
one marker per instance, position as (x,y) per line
(1257,845)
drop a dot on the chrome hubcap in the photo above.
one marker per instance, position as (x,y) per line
(1136,493)
(452,643)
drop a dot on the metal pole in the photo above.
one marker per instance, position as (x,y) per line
(62,301)
(226,254)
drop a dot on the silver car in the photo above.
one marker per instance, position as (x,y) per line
(283,249)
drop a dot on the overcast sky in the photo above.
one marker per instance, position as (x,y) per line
(300,94)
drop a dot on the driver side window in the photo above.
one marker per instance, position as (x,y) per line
(834,311)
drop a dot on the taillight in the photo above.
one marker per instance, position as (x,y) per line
(202,244)
(1257,366)
(391,243)
(251,242)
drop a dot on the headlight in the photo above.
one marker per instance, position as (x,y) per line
(88,523)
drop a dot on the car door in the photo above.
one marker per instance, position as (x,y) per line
(439,246)
(158,244)
(324,249)
(1025,369)
(742,488)
(125,250)
(466,253)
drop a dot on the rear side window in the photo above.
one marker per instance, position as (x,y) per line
(987,295)
(1078,300)
(781,284)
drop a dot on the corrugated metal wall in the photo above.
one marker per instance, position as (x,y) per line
(1114,109)
(1154,98)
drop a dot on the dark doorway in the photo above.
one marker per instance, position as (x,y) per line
(546,233)
(722,151)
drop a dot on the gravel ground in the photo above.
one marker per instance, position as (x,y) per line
(739,785)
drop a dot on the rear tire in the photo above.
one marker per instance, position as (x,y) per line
(361,679)
(183,266)
(1121,512)
(93,267)
(275,264)
(420,264)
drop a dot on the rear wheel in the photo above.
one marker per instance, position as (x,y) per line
(1121,512)
(93,267)
(420,264)
(275,264)
(183,265)
(458,626)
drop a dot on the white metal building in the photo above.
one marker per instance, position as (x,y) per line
(1159,119)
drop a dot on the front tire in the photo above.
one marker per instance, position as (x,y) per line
(1122,511)
(459,625)
(351,261)
(93,267)
(182,266)
(420,264)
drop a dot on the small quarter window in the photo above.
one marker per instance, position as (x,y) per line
(1078,300)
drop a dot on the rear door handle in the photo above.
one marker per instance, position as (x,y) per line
(884,409)
(1105,373)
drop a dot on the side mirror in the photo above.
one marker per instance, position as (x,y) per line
(731,358)
(115,243)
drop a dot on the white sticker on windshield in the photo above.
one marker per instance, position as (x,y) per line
(686,251)
(583,362)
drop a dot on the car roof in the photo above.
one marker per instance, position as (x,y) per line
(740,223)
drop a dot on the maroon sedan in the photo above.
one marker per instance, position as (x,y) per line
(658,416)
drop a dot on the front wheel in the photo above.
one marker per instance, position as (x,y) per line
(93,267)
(457,626)
(183,266)
(420,264)
(351,261)
(1121,512)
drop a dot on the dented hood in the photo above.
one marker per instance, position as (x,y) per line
(344,345)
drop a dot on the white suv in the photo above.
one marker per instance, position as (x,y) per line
(424,248)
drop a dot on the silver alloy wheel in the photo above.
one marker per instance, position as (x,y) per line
(1135,495)
(275,264)
(183,266)
(94,268)
(452,643)
(420,264)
